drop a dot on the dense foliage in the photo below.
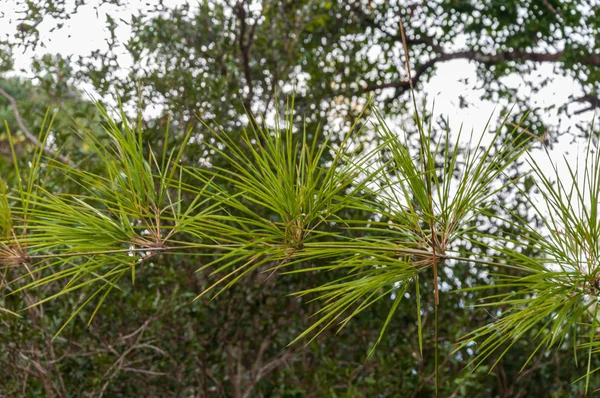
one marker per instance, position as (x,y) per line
(142,216)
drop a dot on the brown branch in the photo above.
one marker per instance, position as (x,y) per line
(245,45)
(28,133)
(403,86)
(522,56)
(143,371)
(593,100)
(121,364)
(265,370)
(550,8)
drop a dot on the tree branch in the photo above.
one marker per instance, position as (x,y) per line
(522,56)
(28,134)
(551,8)
(245,45)
(593,100)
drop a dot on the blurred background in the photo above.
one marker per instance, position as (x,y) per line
(473,63)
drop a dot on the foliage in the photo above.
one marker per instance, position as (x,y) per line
(218,60)
(199,58)
(138,207)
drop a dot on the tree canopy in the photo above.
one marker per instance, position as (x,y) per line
(248,188)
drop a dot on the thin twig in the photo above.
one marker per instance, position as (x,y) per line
(435,246)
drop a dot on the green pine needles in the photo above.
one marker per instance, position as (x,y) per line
(288,200)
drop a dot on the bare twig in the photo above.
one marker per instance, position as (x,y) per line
(544,138)
(593,100)
(121,364)
(28,134)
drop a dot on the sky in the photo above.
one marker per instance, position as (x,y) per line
(86,32)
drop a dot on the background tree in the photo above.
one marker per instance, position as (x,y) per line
(218,60)
(333,52)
